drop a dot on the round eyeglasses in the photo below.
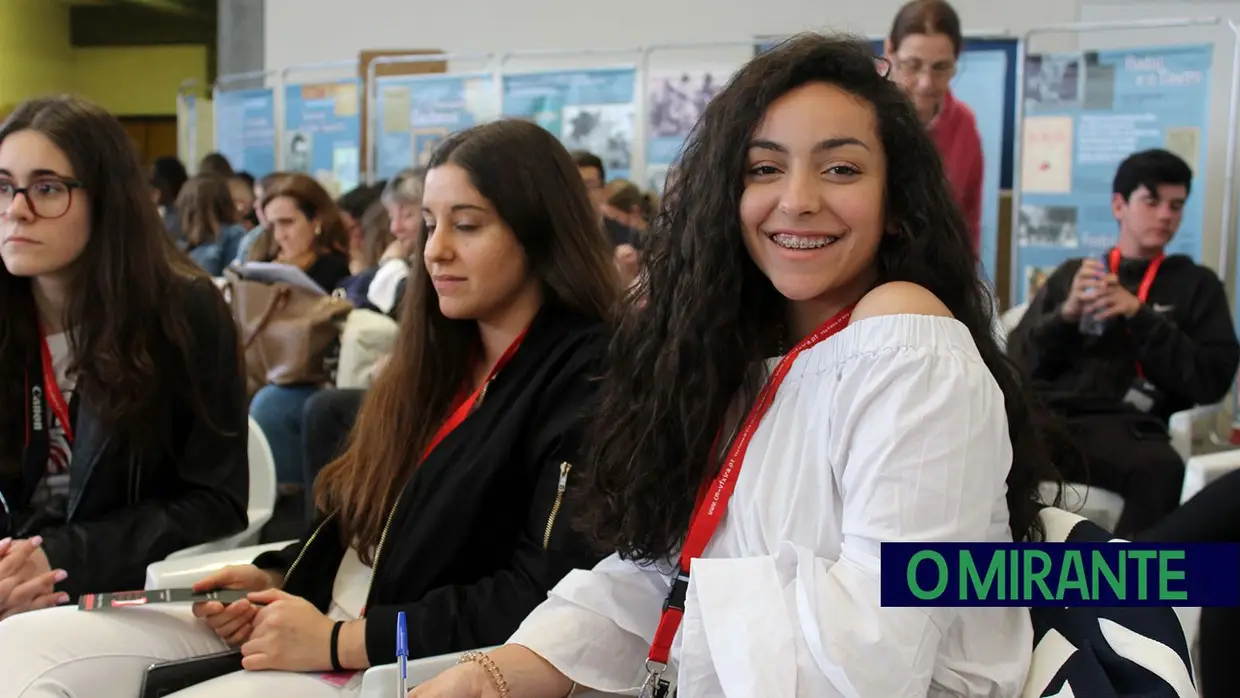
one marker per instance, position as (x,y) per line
(47,197)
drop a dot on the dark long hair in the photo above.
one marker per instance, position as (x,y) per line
(206,208)
(710,315)
(130,340)
(535,188)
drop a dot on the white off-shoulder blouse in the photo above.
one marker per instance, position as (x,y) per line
(892,430)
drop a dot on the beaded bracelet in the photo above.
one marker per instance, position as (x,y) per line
(487,663)
(496,676)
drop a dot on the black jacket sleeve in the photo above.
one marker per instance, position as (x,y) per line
(1043,342)
(487,612)
(208,500)
(282,559)
(1196,362)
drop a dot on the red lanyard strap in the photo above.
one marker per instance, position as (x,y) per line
(709,511)
(44,396)
(51,389)
(466,405)
(1143,291)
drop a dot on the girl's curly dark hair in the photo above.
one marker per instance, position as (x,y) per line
(708,314)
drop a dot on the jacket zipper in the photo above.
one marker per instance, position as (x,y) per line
(289,572)
(559,500)
(374,564)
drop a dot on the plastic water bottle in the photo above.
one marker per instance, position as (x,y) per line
(1090,324)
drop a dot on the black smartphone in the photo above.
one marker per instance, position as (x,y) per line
(169,677)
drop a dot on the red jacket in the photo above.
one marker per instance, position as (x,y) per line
(955,133)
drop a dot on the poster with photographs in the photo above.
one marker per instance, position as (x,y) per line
(675,100)
(419,111)
(1052,81)
(1083,114)
(589,109)
(298,151)
(1047,226)
(603,129)
(322,125)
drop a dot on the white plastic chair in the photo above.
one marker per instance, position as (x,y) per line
(184,571)
(377,682)
(262,499)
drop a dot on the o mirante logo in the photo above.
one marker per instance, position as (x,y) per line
(1060,574)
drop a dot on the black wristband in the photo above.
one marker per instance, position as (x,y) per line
(335,646)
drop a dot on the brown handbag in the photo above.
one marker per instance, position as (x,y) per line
(286,332)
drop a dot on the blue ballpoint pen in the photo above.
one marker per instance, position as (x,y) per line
(402,653)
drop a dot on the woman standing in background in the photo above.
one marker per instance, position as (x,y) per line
(924,47)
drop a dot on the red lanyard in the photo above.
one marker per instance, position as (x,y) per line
(713,500)
(48,392)
(466,405)
(55,399)
(1143,291)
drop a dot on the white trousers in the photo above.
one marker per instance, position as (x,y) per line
(67,653)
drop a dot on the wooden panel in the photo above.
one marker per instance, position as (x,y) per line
(387,69)
(1003,266)
(161,139)
(153,137)
(137,133)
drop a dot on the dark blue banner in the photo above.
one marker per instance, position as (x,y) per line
(1060,574)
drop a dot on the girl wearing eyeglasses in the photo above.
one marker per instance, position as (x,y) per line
(122,403)
(924,47)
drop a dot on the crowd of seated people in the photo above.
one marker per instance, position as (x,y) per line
(576,369)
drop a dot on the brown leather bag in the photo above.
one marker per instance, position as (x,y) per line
(286,332)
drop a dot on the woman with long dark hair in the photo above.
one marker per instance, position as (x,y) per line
(448,504)
(749,495)
(122,402)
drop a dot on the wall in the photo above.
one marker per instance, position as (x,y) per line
(137,80)
(36,59)
(35,55)
(306,31)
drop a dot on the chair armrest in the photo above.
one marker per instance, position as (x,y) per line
(1200,471)
(183,572)
(1181,426)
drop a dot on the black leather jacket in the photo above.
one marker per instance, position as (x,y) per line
(126,511)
